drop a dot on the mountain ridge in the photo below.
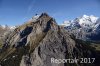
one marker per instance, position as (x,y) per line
(85,27)
(35,43)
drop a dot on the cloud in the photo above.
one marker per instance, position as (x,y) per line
(25,18)
(31,6)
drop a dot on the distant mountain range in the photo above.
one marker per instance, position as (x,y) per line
(7,27)
(4,29)
(86,27)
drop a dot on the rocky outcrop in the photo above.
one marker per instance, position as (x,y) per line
(4,33)
(35,43)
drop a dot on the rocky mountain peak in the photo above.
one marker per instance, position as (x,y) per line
(35,43)
(85,27)
(44,15)
(88,20)
(43,22)
(92,17)
(83,21)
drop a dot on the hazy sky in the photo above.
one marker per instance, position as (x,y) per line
(16,12)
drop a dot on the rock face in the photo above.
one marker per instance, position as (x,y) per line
(35,43)
(4,32)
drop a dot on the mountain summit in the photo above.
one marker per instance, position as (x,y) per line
(85,27)
(36,43)
(83,21)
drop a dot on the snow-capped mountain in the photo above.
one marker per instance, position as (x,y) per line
(5,30)
(7,27)
(85,27)
(39,41)
(84,21)
(34,18)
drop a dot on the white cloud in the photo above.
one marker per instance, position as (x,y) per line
(31,6)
